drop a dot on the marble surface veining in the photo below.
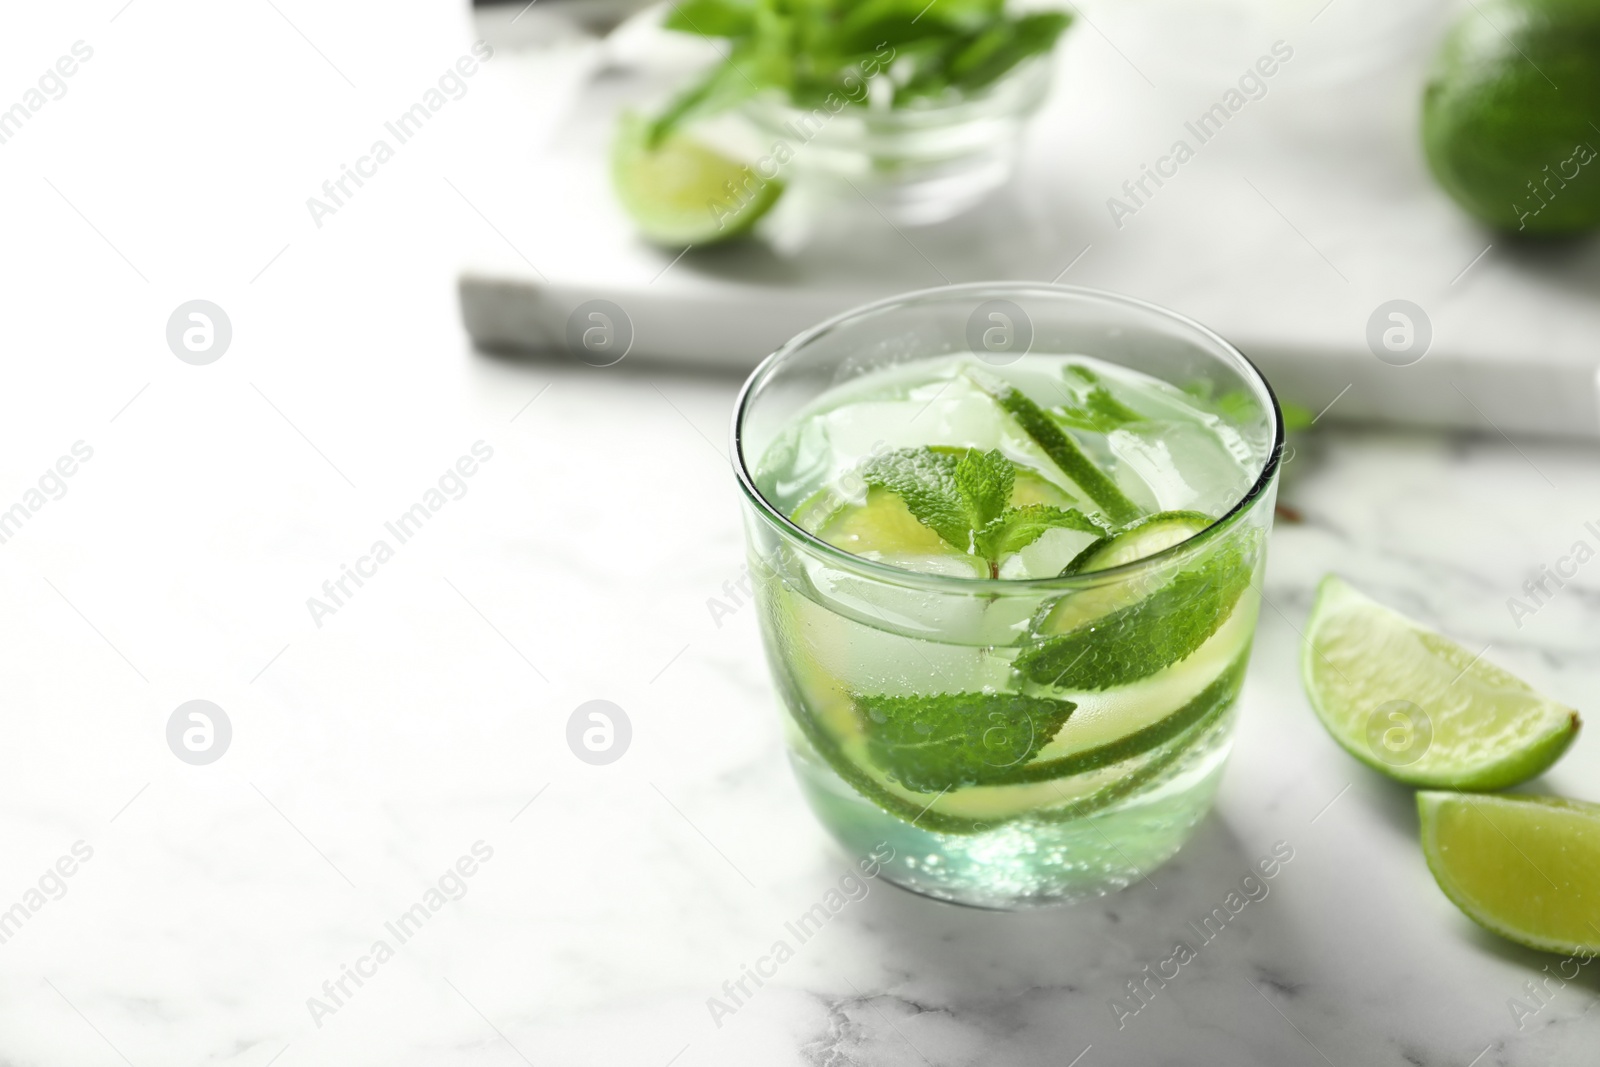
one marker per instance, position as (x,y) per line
(427,718)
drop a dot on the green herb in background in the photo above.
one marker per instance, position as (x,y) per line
(1092,407)
(1296,416)
(817,52)
(1238,405)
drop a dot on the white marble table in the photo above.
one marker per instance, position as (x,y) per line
(422,725)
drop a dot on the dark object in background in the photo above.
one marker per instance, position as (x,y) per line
(1507,116)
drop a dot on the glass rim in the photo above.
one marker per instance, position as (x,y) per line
(889,573)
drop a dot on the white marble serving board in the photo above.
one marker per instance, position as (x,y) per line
(1285,232)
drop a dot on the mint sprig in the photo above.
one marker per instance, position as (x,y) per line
(1020,527)
(952,740)
(1093,406)
(818,52)
(965,499)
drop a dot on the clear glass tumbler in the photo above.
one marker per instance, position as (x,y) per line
(1120,791)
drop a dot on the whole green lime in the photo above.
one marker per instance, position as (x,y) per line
(1511,114)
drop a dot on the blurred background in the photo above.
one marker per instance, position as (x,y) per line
(1267,168)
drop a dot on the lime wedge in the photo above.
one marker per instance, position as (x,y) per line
(680,192)
(1419,707)
(1526,868)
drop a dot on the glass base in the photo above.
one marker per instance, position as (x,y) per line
(1029,862)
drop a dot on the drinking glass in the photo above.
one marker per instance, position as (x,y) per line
(836,625)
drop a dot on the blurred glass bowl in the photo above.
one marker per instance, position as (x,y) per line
(917,165)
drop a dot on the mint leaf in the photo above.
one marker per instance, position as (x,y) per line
(926,481)
(1243,408)
(819,52)
(1095,409)
(711,18)
(964,499)
(951,740)
(1296,416)
(1004,45)
(724,86)
(1061,449)
(1020,527)
(984,480)
(1154,632)
(954,496)
(899,22)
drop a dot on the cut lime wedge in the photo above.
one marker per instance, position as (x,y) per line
(1419,707)
(680,192)
(1526,868)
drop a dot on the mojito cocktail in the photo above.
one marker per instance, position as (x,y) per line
(1008,593)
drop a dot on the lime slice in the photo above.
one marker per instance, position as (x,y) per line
(1062,449)
(1129,739)
(828,721)
(882,528)
(1112,719)
(680,192)
(1157,729)
(1418,706)
(830,726)
(1526,868)
(1144,537)
(1131,627)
